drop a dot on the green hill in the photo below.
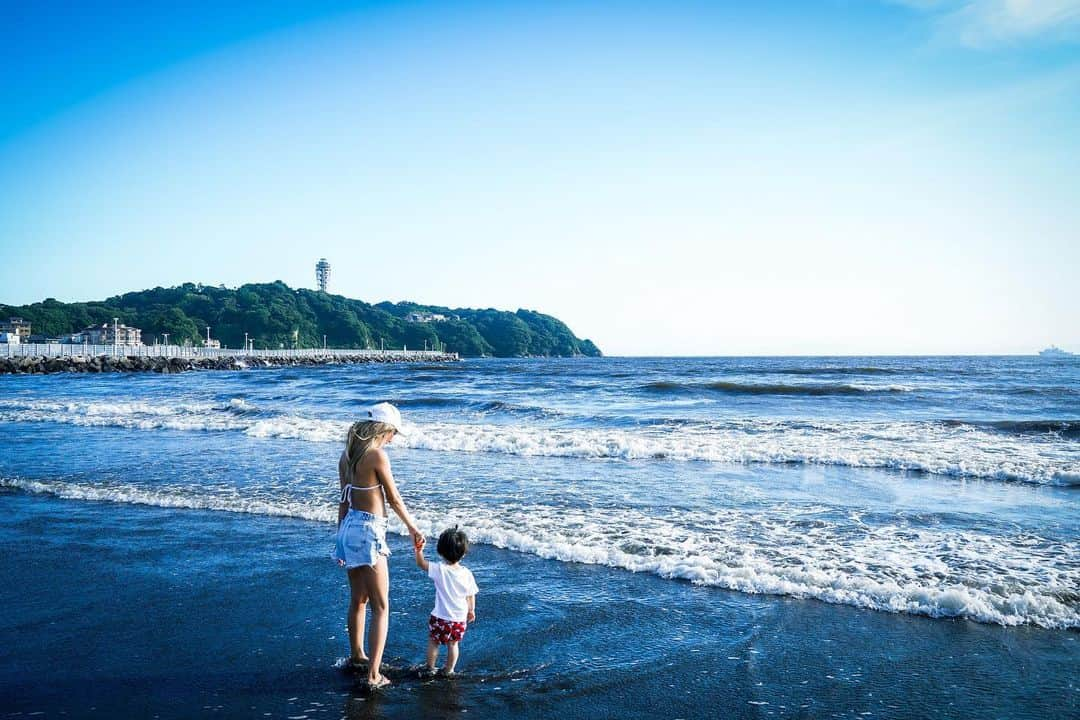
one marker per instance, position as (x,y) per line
(273,314)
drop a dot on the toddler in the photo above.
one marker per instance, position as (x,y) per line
(455,598)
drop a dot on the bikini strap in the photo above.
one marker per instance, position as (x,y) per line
(346,492)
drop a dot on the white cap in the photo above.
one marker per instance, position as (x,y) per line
(384,412)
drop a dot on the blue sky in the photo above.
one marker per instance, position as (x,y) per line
(668,178)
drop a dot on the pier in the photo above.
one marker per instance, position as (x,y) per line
(61,357)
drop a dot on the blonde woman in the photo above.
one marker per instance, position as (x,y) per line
(367,487)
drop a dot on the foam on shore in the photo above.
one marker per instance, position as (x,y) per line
(894,565)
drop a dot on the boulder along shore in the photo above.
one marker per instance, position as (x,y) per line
(37,364)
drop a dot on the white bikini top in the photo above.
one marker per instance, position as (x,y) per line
(346,492)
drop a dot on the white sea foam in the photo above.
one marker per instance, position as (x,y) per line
(893,568)
(139,415)
(937,448)
(926,447)
(187,498)
(1009,578)
(296,427)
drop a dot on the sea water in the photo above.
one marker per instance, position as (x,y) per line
(938,488)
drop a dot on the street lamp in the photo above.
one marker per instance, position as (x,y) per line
(115,336)
(166,344)
(245,343)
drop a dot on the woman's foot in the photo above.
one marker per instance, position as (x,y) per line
(379,682)
(427,672)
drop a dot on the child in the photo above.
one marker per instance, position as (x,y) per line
(455,598)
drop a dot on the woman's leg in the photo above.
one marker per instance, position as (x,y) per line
(376,582)
(358,598)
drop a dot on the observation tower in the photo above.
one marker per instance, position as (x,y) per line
(322,274)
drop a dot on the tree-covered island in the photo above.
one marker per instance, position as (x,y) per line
(275,315)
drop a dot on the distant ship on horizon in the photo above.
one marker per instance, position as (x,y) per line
(1055,352)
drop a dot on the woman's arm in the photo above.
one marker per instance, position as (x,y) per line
(386,477)
(343,472)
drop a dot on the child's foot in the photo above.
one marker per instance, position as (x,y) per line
(427,672)
(447,672)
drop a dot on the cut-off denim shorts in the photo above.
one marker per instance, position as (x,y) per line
(361,539)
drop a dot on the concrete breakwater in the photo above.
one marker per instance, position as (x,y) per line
(40,364)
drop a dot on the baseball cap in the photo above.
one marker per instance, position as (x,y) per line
(384,412)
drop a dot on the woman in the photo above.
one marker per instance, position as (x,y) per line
(367,486)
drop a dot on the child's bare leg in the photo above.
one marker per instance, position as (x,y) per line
(432,654)
(451,656)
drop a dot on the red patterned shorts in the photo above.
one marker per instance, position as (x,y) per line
(445,631)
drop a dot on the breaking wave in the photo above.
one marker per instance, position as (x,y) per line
(894,565)
(1069,429)
(737,388)
(953,449)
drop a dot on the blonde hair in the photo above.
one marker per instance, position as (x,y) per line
(361,437)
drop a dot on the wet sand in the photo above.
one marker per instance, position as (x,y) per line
(120,610)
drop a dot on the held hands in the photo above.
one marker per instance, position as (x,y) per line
(419,541)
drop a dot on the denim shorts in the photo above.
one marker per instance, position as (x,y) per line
(361,539)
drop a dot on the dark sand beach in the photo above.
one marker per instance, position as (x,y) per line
(119,610)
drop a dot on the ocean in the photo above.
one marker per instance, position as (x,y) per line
(736,537)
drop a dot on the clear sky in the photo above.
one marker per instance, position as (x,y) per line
(703,178)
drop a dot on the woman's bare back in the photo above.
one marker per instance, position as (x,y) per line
(367,493)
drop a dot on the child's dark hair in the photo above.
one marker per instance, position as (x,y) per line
(453,544)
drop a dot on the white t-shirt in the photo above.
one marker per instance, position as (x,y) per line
(453,586)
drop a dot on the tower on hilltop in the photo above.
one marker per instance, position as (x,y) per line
(322,274)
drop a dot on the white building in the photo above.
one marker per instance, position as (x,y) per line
(11,338)
(425,317)
(106,334)
(16,326)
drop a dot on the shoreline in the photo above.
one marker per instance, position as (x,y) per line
(44,365)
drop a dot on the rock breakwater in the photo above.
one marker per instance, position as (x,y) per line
(39,364)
